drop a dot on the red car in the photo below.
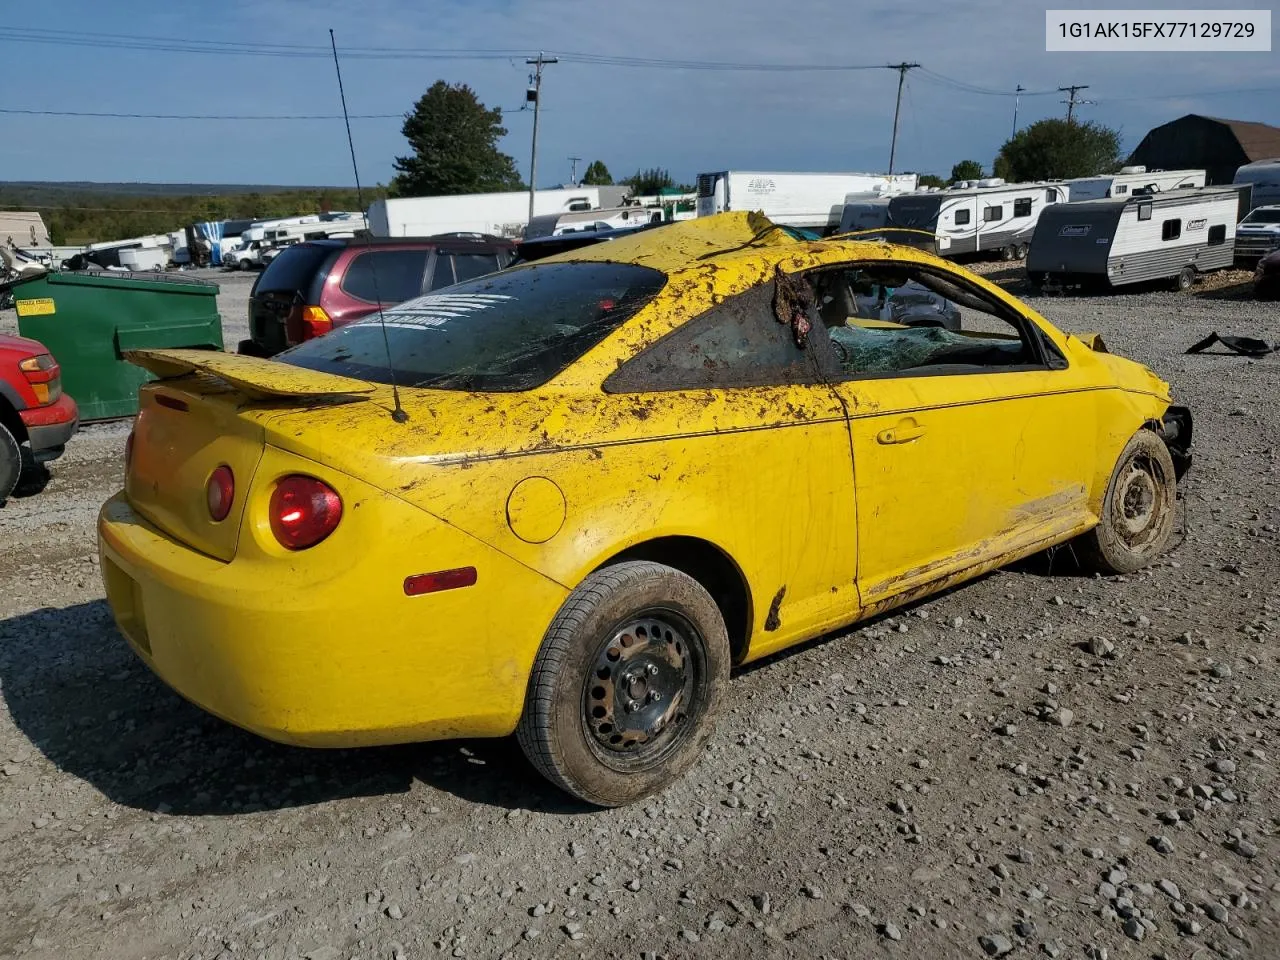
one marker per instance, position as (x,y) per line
(36,417)
(314,286)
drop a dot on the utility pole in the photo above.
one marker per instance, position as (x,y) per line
(902,69)
(1071,98)
(534,93)
(573,177)
(1017,99)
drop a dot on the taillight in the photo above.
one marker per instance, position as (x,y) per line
(45,377)
(306,323)
(304,511)
(220,492)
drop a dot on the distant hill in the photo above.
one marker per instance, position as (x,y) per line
(51,191)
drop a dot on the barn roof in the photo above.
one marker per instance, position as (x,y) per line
(1259,141)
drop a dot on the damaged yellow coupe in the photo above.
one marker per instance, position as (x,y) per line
(565,499)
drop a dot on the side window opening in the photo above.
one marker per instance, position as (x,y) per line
(1022,207)
(896,320)
(990,214)
(1144,211)
(1217,235)
(390,275)
(962,217)
(1171,229)
(767,336)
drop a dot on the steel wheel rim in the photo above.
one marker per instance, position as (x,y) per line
(1139,507)
(639,693)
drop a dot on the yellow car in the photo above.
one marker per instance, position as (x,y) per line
(564,499)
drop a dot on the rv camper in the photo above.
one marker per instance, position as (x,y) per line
(1264,177)
(617,218)
(811,201)
(983,216)
(1173,236)
(1131,181)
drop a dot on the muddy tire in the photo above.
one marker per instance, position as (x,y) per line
(10,462)
(1021,252)
(1185,280)
(626,686)
(1009,253)
(1138,510)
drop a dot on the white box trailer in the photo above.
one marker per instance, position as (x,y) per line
(1174,235)
(813,201)
(1130,181)
(1264,177)
(982,216)
(497,214)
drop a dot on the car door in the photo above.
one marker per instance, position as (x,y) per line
(762,439)
(969,446)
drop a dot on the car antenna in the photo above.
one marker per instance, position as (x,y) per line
(399,415)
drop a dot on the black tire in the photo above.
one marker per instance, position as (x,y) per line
(1020,253)
(1008,253)
(1185,280)
(584,670)
(10,462)
(1138,509)
(35,476)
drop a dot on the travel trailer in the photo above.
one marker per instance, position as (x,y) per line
(1131,181)
(982,216)
(812,201)
(1099,243)
(1264,177)
(496,214)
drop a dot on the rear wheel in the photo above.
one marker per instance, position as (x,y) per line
(1185,279)
(10,462)
(1008,253)
(626,685)
(1021,252)
(1137,511)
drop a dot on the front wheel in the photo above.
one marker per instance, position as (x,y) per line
(1138,509)
(1185,279)
(11,461)
(626,685)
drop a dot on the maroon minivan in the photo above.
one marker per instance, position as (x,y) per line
(312,287)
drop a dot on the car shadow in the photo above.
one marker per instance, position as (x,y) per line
(79,694)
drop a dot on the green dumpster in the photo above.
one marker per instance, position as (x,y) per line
(87,320)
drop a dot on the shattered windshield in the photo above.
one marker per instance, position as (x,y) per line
(512,330)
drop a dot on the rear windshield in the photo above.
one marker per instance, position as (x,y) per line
(507,331)
(294,268)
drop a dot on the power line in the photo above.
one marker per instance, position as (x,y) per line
(1071,100)
(199,116)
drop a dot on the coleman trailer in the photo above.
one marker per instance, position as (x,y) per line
(1131,181)
(1100,243)
(984,216)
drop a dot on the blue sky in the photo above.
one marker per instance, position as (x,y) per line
(687,121)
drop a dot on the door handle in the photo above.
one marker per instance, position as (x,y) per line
(904,431)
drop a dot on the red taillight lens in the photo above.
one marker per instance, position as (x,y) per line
(304,511)
(220,492)
(306,323)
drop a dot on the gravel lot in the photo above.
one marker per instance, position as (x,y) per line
(1039,763)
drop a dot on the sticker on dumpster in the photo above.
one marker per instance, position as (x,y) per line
(36,308)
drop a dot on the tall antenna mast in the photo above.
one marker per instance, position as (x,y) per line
(398,414)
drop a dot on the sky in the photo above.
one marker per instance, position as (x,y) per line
(686,120)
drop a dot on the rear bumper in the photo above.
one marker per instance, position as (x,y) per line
(329,661)
(50,427)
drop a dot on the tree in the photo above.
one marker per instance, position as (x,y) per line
(597,175)
(645,183)
(1058,150)
(455,146)
(930,180)
(966,170)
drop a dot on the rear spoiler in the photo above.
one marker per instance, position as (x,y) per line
(253,375)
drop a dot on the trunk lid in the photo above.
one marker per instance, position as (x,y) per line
(210,409)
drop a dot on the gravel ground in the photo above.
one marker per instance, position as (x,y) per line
(1038,764)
